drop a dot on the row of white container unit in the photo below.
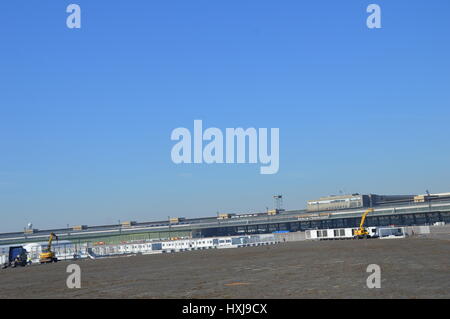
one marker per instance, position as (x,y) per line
(166,246)
(184,245)
(337,233)
(67,250)
(348,233)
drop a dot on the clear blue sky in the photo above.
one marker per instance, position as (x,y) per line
(86,115)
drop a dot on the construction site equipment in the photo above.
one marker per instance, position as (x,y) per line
(362,232)
(47,255)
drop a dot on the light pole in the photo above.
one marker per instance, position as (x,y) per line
(170,229)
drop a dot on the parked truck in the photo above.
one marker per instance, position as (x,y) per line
(17,257)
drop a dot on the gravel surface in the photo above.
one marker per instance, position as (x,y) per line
(410,268)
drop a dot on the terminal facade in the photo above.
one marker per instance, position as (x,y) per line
(342,211)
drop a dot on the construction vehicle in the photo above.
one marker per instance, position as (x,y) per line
(362,232)
(17,257)
(47,255)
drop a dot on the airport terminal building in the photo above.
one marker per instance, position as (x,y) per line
(341,211)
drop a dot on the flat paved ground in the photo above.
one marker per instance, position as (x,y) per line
(410,268)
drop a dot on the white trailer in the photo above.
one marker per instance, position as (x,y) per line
(175,245)
(322,234)
(391,232)
(336,233)
(224,242)
(202,243)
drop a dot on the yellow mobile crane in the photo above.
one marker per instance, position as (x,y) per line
(47,255)
(362,232)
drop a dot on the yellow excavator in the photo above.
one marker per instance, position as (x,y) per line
(47,255)
(362,232)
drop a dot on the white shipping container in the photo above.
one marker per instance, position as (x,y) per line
(338,233)
(391,232)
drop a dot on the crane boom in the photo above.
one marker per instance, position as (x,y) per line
(361,232)
(50,240)
(363,217)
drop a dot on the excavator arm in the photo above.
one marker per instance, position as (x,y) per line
(363,218)
(50,240)
(361,232)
